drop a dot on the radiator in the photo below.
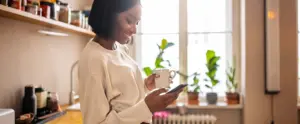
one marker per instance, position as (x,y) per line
(184,119)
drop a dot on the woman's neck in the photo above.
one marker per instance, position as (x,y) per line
(107,44)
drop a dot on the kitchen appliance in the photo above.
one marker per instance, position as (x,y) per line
(7,116)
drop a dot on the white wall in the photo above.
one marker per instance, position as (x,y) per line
(28,57)
(285,104)
(257,107)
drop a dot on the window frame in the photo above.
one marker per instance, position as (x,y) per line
(233,49)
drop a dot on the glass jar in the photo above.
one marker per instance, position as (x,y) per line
(52,102)
(76,18)
(65,13)
(41,97)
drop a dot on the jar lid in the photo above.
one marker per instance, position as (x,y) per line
(39,89)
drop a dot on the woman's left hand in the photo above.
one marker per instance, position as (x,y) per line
(150,81)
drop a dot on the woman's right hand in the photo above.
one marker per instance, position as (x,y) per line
(156,101)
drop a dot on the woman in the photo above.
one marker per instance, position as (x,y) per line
(112,90)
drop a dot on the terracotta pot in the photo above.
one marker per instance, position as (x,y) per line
(193,98)
(232,98)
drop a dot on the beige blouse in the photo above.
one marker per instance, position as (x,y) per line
(111,87)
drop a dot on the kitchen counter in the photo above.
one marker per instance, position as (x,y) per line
(71,117)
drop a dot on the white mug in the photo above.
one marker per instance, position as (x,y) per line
(163,81)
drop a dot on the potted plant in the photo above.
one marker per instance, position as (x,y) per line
(159,63)
(193,95)
(192,91)
(212,66)
(232,96)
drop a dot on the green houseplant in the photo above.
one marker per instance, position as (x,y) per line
(212,67)
(194,90)
(232,96)
(159,61)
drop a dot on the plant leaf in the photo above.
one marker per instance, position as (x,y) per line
(214,82)
(228,85)
(169,45)
(233,75)
(211,73)
(209,55)
(158,46)
(169,63)
(164,44)
(196,80)
(235,86)
(213,60)
(148,71)
(206,79)
(157,62)
(208,86)
(197,89)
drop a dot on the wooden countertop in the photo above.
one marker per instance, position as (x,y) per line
(71,117)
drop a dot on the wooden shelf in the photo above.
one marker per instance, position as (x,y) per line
(15,14)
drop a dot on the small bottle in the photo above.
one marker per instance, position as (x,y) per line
(49,104)
(29,104)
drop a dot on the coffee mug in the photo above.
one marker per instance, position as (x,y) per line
(163,81)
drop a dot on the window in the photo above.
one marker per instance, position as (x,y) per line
(194,26)
(209,27)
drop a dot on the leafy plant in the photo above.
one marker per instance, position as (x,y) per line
(212,66)
(194,87)
(159,64)
(231,83)
(159,59)
(196,82)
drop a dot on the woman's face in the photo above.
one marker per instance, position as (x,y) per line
(126,24)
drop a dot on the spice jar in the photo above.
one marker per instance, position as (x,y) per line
(23,5)
(45,10)
(52,10)
(17,4)
(52,102)
(65,13)
(76,18)
(32,9)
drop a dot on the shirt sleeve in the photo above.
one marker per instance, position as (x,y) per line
(96,107)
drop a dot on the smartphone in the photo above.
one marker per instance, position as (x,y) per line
(177,88)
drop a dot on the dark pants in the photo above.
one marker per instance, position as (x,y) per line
(145,123)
